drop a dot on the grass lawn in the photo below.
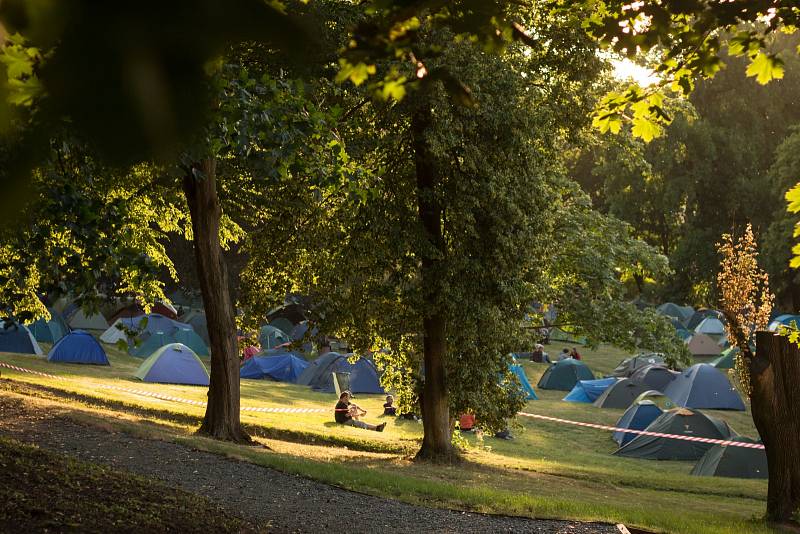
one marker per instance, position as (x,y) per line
(548,470)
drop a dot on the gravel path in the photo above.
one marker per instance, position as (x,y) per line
(266,497)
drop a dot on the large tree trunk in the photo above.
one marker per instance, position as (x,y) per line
(775,402)
(436,444)
(222,413)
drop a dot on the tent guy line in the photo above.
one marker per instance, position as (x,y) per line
(264,409)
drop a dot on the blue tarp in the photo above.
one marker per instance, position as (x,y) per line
(637,417)
(16,338)
(78,347)
(526,386)
(284,367)
(174,364)
(589,390)
(704,386)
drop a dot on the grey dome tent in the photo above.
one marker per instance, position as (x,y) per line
(710,326)
(656,376)
(701,314)
(621,394)
(681,313)
(682,422)
(319,375)
(629,365)
(726,359)
(734,462)
(704,386)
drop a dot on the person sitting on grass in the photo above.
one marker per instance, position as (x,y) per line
(565,355)
(347,413)
(389,408)
(575,354)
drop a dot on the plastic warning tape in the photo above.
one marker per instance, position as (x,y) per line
(645,432)
(265,409)
(29,371)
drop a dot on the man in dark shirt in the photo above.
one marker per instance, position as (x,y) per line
(347,413)
(389,408)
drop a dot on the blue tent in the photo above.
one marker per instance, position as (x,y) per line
(270,337)
(783,320)
(589,390)
(152,322)
(704,386)
(14,337)
(173,364)
(283,367)
(78,347)
(637,417)
(523,380)
(319,375)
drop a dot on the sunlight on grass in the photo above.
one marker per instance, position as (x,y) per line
(547,470)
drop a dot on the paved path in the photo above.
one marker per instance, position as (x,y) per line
(266,497)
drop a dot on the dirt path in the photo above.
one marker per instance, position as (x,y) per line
(266,497)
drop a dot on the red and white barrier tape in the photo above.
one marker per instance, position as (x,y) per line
(264,409)
(645,432)
(29,371)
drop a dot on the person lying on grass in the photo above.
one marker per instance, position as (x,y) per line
(347,413)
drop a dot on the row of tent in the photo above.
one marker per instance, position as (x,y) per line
(699,386)
(712,459)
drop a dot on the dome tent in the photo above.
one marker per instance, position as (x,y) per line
(78,347)
(80,320)
(15,337)
(726,359)
(270,337)
(656,376)
(173,364)
(149,344)
(49,331)
(710,326)
(682,422)
(280,366)
(681,313)
(189,337)
(627,366)
(589,390)
(702,345)
(704,386)
(621,394)
(363,375)
(197,320)
(701,314)
(563,375)
(783,320)
(637,417)
(735,462)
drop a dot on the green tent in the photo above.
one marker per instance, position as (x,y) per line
(563,375)
(150,344)
(735,462)
(726,358)
(191,339)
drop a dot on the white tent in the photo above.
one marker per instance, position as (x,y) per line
(113,334)
(710,326)
(80,321)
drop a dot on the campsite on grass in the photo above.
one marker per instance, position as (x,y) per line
(400,266)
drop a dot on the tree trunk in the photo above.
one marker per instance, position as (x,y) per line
(222,413)
(436,445)
(775,402)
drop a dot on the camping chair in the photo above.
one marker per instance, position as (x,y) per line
(341,382)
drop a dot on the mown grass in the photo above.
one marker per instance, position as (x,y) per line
(548,470)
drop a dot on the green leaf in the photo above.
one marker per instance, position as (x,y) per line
(793,198)
(765,67)
(393,89)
